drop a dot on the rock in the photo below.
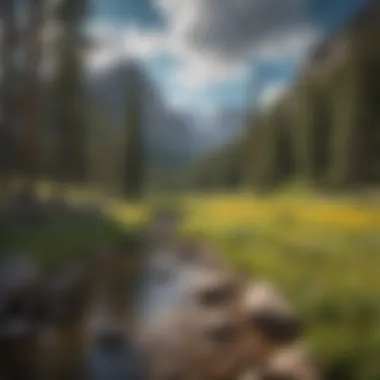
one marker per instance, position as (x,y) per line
(292,362)
(20,278)
(18,272)
(66,294)
(111,340)
(213,288)
(219,327)
(14,331)
(269,313)
(192,342)
(24,208)
(21,281)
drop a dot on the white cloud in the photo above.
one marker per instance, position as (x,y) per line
(217,38)
(199,73)
(143,44)
(214,39)
(271,94)
(290,45)
(196,70)
(113,43)
(101,58)
(229,30)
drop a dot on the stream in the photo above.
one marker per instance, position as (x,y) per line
(164,285)
(93,331)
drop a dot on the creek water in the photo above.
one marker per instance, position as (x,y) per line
(164,285)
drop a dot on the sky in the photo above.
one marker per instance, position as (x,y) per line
(208,54)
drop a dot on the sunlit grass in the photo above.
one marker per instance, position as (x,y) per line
(322,252)
(122,212)
(243,209)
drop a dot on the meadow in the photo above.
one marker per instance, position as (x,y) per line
(323,252)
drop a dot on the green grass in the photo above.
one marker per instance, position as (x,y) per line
(324,255)
(60,240)
(322,252)
(63,238)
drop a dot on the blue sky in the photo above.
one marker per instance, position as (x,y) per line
(207,54)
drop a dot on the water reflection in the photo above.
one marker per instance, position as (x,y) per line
(166,285)
(187,318)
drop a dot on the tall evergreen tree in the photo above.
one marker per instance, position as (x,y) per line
(346,116)
(105,148)
(134,149)
(7,99)
(69,96)
(33,95)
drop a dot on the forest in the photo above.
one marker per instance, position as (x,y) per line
(323,132)
(86,162)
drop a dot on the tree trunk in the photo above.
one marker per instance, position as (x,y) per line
(32,96)
(7,101)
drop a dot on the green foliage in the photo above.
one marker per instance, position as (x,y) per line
(322,252)
(325,132)
(73,12)
(70,104)
(220,169)
(134,173)
(60,240)
(341,317)
(8,100)
(104,153)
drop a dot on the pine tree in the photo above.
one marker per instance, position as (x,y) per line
(7,98)
(69,96)
(33,97)
(134,148)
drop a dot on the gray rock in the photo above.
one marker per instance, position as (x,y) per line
(112,356)
(268,312)
(18,270)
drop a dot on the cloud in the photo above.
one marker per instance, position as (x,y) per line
(113,43)
(293,44)
(195,70)
(200,73)
(218,39)
(230,30)
(215,38)
(143,44)
(101,58)
(271,94)
(214,41)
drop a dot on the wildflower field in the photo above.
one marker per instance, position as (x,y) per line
(322,252)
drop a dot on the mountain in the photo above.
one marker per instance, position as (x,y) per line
(334,51)
(221,127)
(169,135)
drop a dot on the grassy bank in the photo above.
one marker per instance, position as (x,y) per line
(323,253)
(325,256)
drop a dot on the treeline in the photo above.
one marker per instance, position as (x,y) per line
(49,127)
(325,131)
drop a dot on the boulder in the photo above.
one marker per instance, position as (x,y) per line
(211,288)
(292,362)
(267,311)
